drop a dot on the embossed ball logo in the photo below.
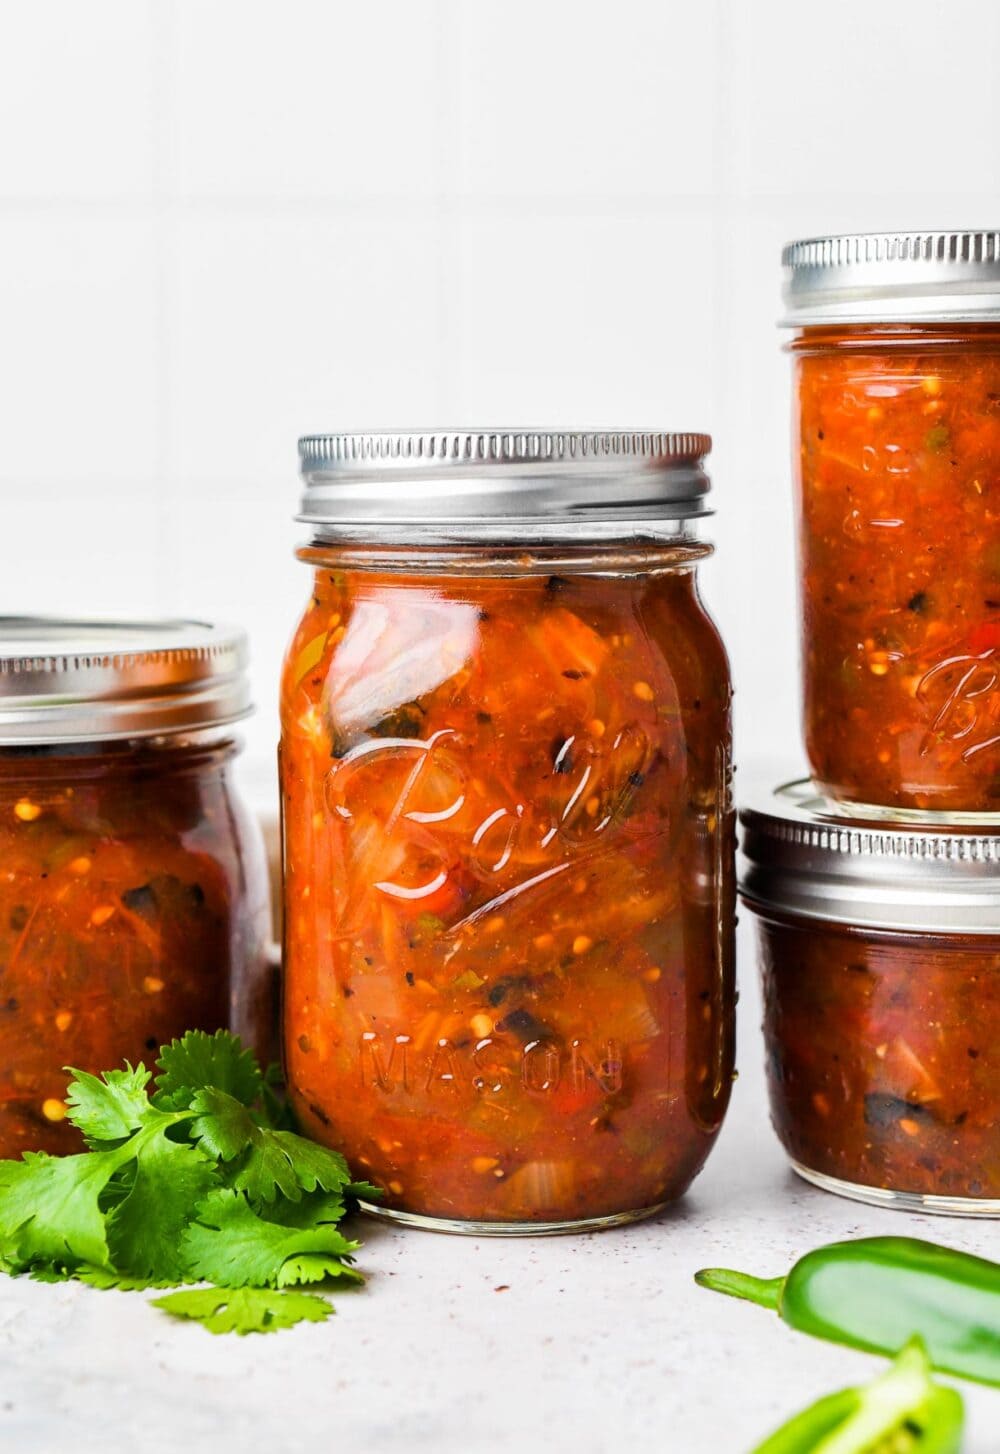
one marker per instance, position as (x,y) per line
(443,826)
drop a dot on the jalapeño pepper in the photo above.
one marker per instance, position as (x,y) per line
(876,1293)
(901,1412)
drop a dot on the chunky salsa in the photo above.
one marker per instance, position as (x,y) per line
(508,883)
(881,1056)
(899,469)
(132,908)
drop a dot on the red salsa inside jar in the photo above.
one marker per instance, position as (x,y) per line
(508,883)
(132,896)
(899,474)
(881,1055)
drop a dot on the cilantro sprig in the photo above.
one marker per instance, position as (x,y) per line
(190,1176)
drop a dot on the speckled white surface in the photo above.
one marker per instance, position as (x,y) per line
(583,1345)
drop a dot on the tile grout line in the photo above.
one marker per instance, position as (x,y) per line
(723,296)
(516,206)
(164,95)
(448,222)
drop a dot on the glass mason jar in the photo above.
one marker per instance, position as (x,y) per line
(879,953)
(133,891)
(896,352)
(505,767)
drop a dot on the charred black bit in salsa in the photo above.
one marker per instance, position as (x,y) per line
(406,721)
(884,1110)
(140,901)
(509,984)
(525,1025)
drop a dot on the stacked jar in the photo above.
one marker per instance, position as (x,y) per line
(877,886)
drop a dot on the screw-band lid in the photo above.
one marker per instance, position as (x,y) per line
(802,855)
(64,680)
(491,483)
(892,277)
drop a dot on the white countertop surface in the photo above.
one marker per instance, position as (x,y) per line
(576,1344)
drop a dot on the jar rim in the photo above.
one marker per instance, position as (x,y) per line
(677,549)
(78,680)
(806,856)
(500,483)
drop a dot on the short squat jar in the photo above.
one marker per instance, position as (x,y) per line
(896,350)
(133,892)
(508,840)
(879,952)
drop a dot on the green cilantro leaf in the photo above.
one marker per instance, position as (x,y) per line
(104,1278)
(315,1267)
(232,1246)
(109,1107)
(50,1207)
(275,1110)
(271,1161)
(202,1180)
(315,1209)
(364,1191)
(117,1188)
(49,1272)
(144,1229)
(198,1060)
(245,1309)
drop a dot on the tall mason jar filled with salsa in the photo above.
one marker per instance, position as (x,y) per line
(133,889)
(508,832)
(896,350)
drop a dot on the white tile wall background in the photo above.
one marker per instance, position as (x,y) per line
(226,222)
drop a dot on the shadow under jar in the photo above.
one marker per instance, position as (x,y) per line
(879,953)
(508,838)
(896,354)
(133,891)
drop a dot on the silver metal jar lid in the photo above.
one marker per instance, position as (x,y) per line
(493,483)
(802,856)
(88,681)
(892,277)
